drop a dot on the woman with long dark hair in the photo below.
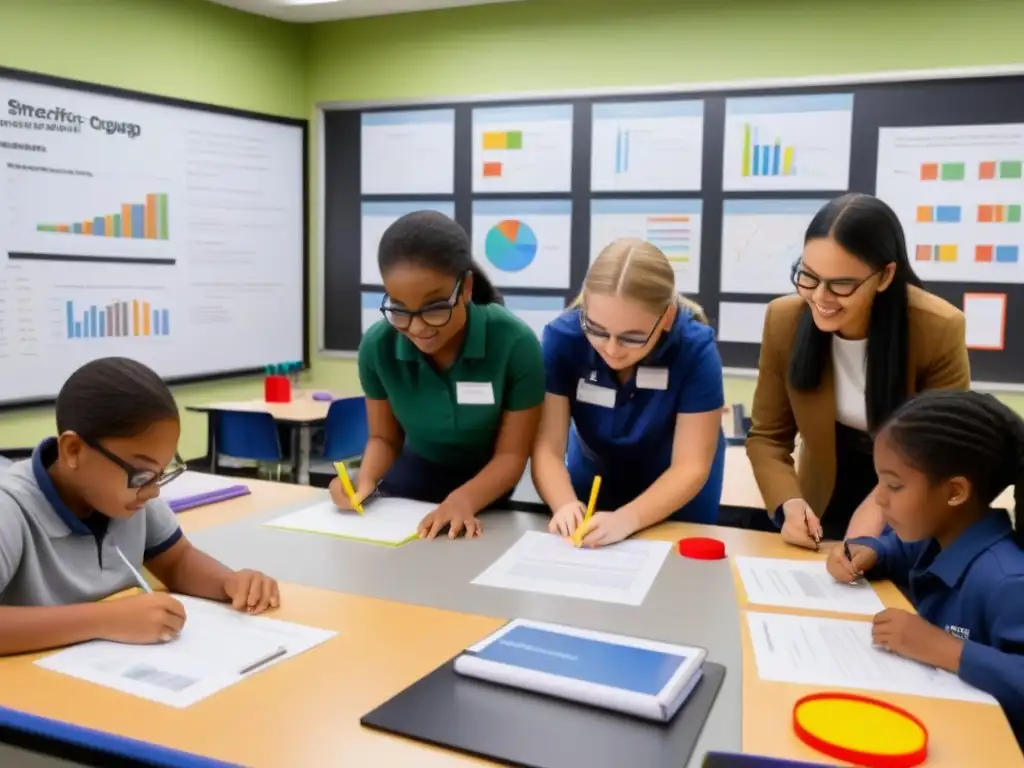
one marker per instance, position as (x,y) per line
(837,358)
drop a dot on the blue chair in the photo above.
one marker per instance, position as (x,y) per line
(345,429)
(251,436)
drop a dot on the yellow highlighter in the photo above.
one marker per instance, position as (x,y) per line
(577,537)
(346,483)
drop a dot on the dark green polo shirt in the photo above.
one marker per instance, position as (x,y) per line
(452,416)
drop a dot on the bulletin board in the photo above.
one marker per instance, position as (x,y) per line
(724,180)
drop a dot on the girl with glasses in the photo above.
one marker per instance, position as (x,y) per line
(633,369)
(453,381)
(837,358)
(89,497)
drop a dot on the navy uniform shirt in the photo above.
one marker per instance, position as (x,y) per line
(973,589)
(624,432)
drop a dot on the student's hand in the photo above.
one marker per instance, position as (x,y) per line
(801,527)
(251,591)
(848,571)
(910,636)
(567,518)
(607,528)
(340,498)
(456,514)
(154,617)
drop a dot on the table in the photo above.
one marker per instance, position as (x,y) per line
(302,414)
(400,612)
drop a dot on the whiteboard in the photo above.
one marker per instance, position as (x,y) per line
(166,232)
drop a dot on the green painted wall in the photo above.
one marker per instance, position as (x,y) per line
(184,48)
(195,50)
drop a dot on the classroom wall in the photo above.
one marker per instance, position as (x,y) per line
(195,50)
(188,49)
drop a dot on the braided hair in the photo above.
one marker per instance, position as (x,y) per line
(945,434)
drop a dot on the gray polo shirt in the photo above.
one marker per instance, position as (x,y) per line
(49,556)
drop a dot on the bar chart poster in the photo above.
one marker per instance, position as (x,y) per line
(673,226)
(522,149)
(127,319)
(524,243)
(959,193)
(148,220)
(761,239)
(647,146)
(788,143)
(408,153)
(376,218)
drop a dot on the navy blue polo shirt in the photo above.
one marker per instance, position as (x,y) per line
(624,432)
(973,589)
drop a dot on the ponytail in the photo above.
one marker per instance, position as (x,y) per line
(696,310)
(484,291)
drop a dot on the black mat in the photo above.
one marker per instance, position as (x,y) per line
(533,731)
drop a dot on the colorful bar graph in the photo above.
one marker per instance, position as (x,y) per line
(145,221)
(672,234)
(940,214)
(96,322)
(765,159)
(503,139)
(999,214)
(943,171)
(943,253)
(989,170)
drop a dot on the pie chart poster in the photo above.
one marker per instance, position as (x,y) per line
(524,243)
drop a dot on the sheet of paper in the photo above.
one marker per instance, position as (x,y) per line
(385,520)
(190,484)
(803,584)
(543,562)
(837,653)
(215,649)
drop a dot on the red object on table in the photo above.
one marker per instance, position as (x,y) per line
(277,389)
(702,548)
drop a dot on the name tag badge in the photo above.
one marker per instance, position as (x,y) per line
(595,395)
(651,378)
(474,393)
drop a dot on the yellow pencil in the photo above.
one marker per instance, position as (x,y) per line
(594,489)
(346,483)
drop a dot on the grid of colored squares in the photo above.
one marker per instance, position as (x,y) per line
(116,320)
(983,254)
(500,140)
(997,214)
(148,221)
(765,159)
(1001,169)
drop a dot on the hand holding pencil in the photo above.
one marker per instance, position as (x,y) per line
(344,494)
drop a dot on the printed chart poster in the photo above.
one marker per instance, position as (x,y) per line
(408,153)
(536,311)
(522,149)
(671,225)
(959,191)
(371,302)
(376,218)
(761,239)
(789,143)
(524,243)
(647,146)
(741,322)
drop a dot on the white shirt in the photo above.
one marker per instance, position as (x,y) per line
(849,364)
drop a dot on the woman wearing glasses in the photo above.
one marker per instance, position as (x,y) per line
(453,380)
(80,518)
(634,367)
(857,339)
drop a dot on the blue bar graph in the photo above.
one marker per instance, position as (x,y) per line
(77,330)
(119,319)
(622,151)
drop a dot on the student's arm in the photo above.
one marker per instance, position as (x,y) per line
(867,520)
(386,436)
(550,475)
(524,395)
(997,667)
(695,442)
(950,368)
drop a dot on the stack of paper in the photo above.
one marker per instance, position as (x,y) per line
(385,520)
(804,584)
(545,562)
(217,647)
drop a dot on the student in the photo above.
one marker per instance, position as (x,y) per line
(91,494)
(942,459)
(859,336)
(634,367)
(454,382)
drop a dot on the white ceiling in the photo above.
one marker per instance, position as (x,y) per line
(309,11)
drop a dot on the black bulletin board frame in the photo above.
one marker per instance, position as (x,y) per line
(925,98)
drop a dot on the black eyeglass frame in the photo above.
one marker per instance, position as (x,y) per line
(630,342)
(140,478)
(848,285)
(443,305)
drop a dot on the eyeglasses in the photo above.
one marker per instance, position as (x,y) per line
(632,341)
(838,286)
(434,314)
(140,478)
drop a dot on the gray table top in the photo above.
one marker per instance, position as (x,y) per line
(691,602)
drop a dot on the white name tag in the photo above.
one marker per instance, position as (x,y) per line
(474,393)
(651,378)
(595,395)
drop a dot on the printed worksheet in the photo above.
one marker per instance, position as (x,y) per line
(804,584)
(547,563)
(385,520)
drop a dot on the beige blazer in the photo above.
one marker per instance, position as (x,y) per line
(938,360)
